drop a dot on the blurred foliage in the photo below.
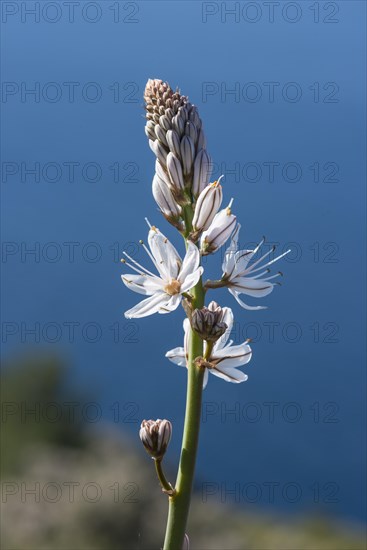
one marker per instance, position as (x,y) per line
(67,487)
(29,387)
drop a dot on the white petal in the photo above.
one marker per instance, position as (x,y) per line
(252,287)
(171,304)
(186,327)
(192,279)
(241,261)
(219,231)
(190,262)
(228,262)
(143,284)
(230,375)
(233,356)
(245,306)
(205,380)
(177,356)
(167,259)
(148,306)
(228,319)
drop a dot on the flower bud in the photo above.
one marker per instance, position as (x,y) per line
(207,206)
(208,322)
(187,150)
(164,198)
(155,436)
(175,172)
(161,134)
(202,171)
(173,142)
(219,231)
(190,130)
(159,151)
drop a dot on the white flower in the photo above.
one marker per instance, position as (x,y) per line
(242,278)
(175,276)
(219,231)
(224,358)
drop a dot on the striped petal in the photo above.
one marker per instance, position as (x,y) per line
(142,284)
(148,306)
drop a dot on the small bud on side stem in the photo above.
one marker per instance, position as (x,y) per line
(155,436)
(208,322)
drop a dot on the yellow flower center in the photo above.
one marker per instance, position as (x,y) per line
(173,287)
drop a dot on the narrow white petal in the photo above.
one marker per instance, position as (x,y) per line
(233,356)
(171,304)
(186,327)
(258,288)
(229,256)
(143,284)
(241,261)
(148,306)
(230,375)
(190,262)
(206,377)
(192,279)
(242,304)
(177,356)
(167,259)
(228,319)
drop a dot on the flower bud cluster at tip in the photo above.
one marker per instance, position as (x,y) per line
(208,322)
(155,436)
(176,137)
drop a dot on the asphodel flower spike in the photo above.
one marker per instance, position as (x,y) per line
(191,204)
(176,277)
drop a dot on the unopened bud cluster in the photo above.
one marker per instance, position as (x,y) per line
(176,137)
(208,322)
(155,436)
(183,167)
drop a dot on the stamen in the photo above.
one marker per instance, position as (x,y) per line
(143,269)
(259,275)
(249,269)
(273,277)
(229,207)
(271,261)
(150,255)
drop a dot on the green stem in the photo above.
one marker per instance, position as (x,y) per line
(162,478)
(179,503)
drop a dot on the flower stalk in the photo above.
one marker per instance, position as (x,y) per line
(179,504)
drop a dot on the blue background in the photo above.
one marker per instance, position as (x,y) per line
(323,220)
